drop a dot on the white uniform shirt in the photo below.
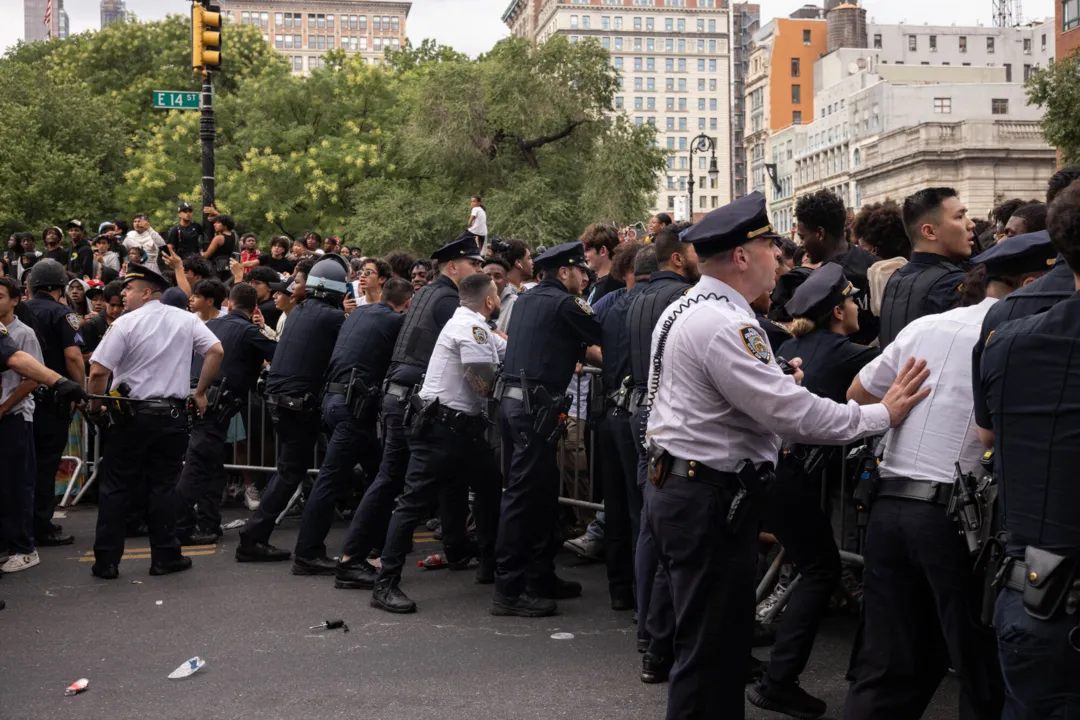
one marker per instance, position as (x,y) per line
(464,339)
(940,431)
(25,339)
(478,226)
(722,398)
(150,349)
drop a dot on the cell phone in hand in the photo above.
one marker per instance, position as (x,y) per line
(235,256)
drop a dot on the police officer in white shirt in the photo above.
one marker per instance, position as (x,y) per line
(148,351)
(447,444)
(919,613)
(721,404)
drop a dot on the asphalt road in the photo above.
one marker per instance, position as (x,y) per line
(450,661)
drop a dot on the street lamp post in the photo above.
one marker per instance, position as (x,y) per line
(701,143)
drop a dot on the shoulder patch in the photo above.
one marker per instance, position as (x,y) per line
(480,335)
(755,343)
(72,320)
(586,307)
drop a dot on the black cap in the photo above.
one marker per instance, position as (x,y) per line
(1030,252)
(285,286)
(75,224)
(571,254)
(183,206)
(729,226)
(141,272)
(465,247)
(826,288)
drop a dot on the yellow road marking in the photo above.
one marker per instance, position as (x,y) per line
(147,556)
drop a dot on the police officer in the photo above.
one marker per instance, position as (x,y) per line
(431,308)
(57,326)
(246,348)
(941,236)
(292,390)
(1029,394)
(678,271)
(552,329)
(148,351)
(720,400)
(350,409)
(447,443)
(822,221)
(826,316)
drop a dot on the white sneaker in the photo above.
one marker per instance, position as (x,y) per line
(251,498)
(584,546)
(771,601)
(20,561)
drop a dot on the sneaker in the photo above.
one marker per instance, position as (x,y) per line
(585,547)
(787,699)
(251,498)
(766,605)
(20,561)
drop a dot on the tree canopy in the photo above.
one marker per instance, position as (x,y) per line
(385,156)
(1056,88)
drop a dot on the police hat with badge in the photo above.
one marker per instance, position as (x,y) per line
(571,254)
(824,289)
(464,247)
(1018,255)
(141,272)
(730,226)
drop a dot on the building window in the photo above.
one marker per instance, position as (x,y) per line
(637,23)
(877,41)
(573,22)
(681,25)
(805,37)
(712,84)
(933,43)
(796,94)
(943,106)
(650,84)
(363,23)
(990,45)
(279,20)
(605,22)
(395,24)
(913,43)
(1027,46)
(701,65)
(682,124)
(963,43)
(585,22)
(650,64)
(298,63)
(649,23)
(650,44)
(605,43)
(682,84)
(794,67)
(330,22)
(618,43)
(1027,73)
(670,202)
(376,23)
(618,102)
(796,117)
(999,107)
(1008,72)
(1044,41)
(618,23)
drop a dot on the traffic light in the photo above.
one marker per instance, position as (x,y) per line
(205,37)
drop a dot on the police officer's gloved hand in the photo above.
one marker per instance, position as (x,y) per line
(70,391)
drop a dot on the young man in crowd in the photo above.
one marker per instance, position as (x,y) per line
(372,278)
(207,297)
(145,238)
(249,252)
(96,327)
(278,261)
(600,240)
(262,279)
(186,236)
(81,258)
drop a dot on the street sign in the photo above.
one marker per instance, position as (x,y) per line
(176,100)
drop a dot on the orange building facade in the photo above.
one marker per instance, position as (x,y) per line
(796,45)
(1067,16)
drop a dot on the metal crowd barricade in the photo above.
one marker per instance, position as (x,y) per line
(573,458)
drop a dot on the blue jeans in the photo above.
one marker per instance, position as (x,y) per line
(595,529)
(1041,669)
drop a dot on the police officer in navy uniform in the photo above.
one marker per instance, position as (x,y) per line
(58,326)
(350,409)
(720,400)
(551,330)
(431,307)
(148,353)
(292,390)
(678,271)
(246,348)
(1027,407)
(826,317)
(942,237)
(447,444)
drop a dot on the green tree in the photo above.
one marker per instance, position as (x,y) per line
(1056,89)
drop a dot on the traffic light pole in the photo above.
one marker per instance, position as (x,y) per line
(206,134)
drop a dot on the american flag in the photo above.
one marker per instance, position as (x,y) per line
(48,16)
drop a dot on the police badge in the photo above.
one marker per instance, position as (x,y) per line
(479,335)
(755,343)
(72,320)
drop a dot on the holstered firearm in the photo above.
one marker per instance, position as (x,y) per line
(363,401)
(964,509)
(659,467)
(747,497)
(622,400)
(115,411)
(410,408)
(422,416)
(867,477)
(549,422)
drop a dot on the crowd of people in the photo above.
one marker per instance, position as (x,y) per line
(731,367)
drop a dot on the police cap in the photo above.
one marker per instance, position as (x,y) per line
(141,272)
(1030,252)
(48,274)
(826,288)
(571,254)
(465,247)
(729,226)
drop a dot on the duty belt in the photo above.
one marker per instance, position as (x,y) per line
(460,422)
(932,492)
(337,388)
(159,406)
(401,392)
(697,472)
(298,404)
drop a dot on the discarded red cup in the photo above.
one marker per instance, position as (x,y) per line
(432,562)
(77,687)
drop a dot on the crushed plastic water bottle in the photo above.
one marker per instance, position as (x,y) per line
(77,687)
(432,562)
(562,636)
(233,525)
(187,669)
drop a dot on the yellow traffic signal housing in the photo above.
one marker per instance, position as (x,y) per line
(205,38)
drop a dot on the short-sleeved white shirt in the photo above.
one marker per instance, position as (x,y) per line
(150,349)
(478,226)
(465,339)
(940,431)
(721,397)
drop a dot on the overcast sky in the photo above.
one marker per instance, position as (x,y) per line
(473,26)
